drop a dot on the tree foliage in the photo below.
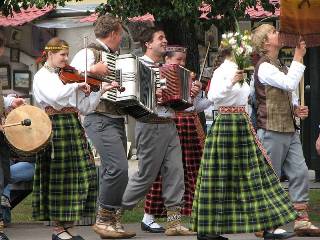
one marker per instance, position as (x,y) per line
(180,18)
(175,10)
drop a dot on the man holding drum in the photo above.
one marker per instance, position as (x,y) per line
(5,103)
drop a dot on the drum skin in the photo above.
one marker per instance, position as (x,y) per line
(28,139)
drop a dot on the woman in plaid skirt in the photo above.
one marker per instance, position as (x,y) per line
(192,138)
(65,185)
(237,190)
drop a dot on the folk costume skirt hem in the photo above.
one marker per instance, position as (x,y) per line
(192,139)
(65,184)
(237,190)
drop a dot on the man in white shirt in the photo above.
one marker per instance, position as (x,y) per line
(158,148)
(276,109)
(106,129)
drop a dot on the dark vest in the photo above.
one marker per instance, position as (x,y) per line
(274,105)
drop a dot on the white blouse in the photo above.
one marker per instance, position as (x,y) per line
(222,92)
(49,90)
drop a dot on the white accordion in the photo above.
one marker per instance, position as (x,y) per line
(139,80)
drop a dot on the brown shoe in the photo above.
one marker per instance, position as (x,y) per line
(259,234)
(110,232)
(106,225)
(179,230)
(119,226)
(306,228)
(174,227)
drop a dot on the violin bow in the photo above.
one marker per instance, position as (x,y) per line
(85,42)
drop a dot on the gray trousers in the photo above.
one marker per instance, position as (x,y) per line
(158,149)
(286,154)
(4,167)
(109,138)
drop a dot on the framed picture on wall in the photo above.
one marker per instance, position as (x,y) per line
(22,80)
(5,76)
(14,55)
(15,36)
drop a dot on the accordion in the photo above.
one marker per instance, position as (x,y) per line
(138,99)
(175,82)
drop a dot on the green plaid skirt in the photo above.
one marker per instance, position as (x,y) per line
(65,184)
(237,190)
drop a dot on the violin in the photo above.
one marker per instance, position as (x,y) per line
(69,74)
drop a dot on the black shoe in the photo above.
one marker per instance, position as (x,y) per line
(56,236)
(3,236)
(210,237)
(78,237)
(146,228)
(274,236)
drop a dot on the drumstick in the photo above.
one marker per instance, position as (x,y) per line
(25,122)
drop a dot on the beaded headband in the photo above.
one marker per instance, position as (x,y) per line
(176,49)
(56,47)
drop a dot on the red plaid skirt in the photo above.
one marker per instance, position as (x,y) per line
(192,140)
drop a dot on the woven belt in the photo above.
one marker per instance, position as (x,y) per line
(156,120)
(229,110)
(51,111)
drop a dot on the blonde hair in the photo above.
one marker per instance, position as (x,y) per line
(54,45)
(259,36)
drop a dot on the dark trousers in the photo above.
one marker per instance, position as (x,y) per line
(109,138)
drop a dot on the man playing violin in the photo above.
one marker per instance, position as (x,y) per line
(5,103)
(106,129)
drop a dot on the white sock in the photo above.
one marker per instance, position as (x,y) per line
(149,220)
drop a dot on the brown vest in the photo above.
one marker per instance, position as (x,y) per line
(274,105)
(104,106)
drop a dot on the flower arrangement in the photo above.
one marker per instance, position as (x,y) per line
(240,43)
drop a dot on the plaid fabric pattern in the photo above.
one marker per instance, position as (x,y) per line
(237,190)
(65,187)
(191,138)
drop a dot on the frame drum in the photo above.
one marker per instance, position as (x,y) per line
(27,140)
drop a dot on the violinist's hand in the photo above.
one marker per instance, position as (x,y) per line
(100,68)
(196,88)
(16,102)
(109,86)
(193,76)
(237,77)
(159,96)
(84,87)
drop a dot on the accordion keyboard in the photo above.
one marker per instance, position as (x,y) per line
(114,75)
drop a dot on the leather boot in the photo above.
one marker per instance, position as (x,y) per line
(302,225)
(174,227)
(119,226)
(105,225)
